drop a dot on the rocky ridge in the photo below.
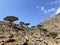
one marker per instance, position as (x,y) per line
(42,34)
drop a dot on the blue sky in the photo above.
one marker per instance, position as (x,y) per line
(32,11)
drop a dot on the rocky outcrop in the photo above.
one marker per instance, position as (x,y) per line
(31,37)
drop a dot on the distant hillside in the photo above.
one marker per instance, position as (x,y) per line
(52,24)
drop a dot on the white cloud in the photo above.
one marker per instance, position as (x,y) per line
(57,11)
(48,10)
(42,8)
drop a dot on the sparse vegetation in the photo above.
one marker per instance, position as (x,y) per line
(39,25)
(53,34)
(27,24)
(33,27)
(44,30)
(21,23)
(10,19)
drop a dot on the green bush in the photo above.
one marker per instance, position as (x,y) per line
(53,34)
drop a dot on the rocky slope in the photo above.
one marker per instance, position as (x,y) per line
(52,24)
(45,33)
(31,37)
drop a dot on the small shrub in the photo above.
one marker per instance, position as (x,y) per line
(53,34)
(44,30)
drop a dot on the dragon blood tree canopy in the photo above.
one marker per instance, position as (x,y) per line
(10,18)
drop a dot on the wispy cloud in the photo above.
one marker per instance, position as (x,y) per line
(55,2)
(47,10)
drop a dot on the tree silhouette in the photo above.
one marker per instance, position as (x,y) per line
(22,23)
(40,28)
(27,24)
(33,27)
(44,30)
(11,19)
